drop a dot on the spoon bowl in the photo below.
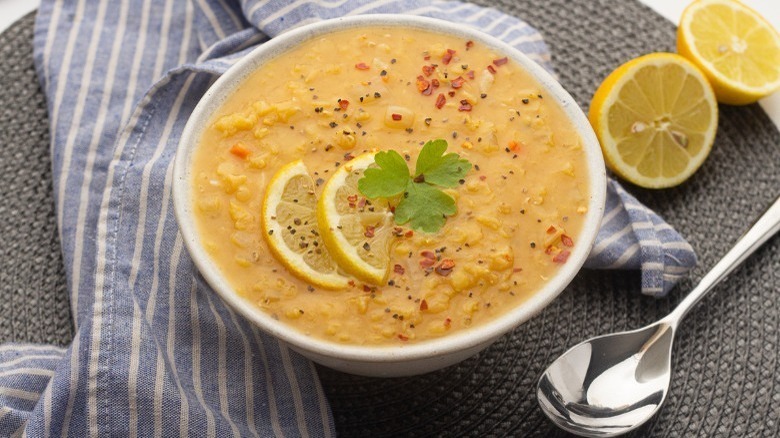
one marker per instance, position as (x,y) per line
(612,384)
(623,385)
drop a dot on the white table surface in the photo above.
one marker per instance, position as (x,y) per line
(12,10)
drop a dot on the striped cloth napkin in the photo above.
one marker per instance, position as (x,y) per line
(156,353)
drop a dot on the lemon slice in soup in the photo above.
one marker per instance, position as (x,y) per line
(356,230)
(290,227)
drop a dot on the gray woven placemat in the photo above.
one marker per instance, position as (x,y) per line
(726,372)
(33,299)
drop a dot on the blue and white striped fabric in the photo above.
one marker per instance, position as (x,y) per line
(156,353)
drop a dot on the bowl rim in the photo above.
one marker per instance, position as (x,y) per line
(483,333)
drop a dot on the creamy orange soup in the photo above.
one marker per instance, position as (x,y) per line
(519,209)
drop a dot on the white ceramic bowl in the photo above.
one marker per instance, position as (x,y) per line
(388,361)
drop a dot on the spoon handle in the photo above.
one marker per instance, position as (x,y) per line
(764,228)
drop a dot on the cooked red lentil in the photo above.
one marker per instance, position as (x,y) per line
(519,209)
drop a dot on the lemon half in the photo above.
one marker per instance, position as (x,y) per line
(736,48)
(656,117)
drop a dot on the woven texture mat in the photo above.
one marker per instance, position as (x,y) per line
(726,375)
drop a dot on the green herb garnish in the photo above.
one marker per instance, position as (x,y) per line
(424,205)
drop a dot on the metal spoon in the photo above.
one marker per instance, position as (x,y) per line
(612,384)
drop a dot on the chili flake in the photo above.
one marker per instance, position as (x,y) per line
(464,105)
(500,61)
(469,44)
(403,337)
(398,269)
(447,56)
(369,231)
(551,230)
(491,69)
(423,305)
(423,86)
(440,100)
(343,103)
(470,74)
(397,116)
(445,267)
(457,82)
(362,66)
(562,256)
(428,69)
(566,240)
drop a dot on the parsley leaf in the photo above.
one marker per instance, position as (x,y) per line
(388,180)
(425,207)
(437,168)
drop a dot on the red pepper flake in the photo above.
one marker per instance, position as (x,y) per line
(566,240)
(551,230)
(482,177)
(397,116)
(428,255)
(447,264)
(409,233)
(447,322)
(398,269)
(403,337)
(435,83)
(457,82)
(343,103)
(428,69)
(366,288)
(362,66)
(369,231)
(562,256)
(516,270)
(361,203)
(548,250)
(491,69)
(469,44)
(445,267)
(427,263)
(447,56)
(451,93)
(423,86)
(423,305)
(240,151)
(464,105)
(500,61)
(470,74)
(352,198)
(440,101)
(351,283)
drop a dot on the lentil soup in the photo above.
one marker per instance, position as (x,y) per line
(519,208)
